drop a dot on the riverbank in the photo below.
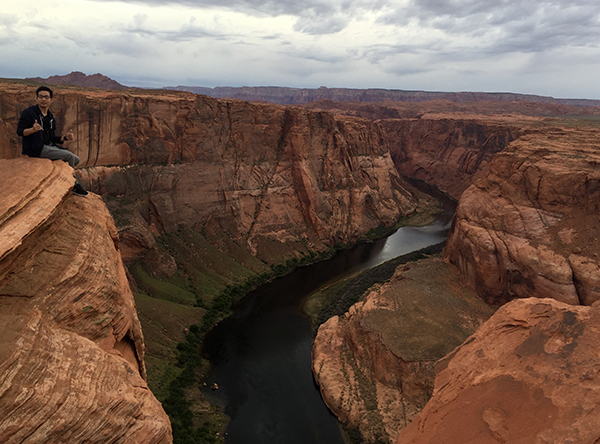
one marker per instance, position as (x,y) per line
(375,362)
(261,355)
(197,293)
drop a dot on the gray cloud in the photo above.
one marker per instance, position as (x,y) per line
(314,17)
(507,25)
(8,20)
(319,24)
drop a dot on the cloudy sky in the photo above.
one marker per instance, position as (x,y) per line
(546,47)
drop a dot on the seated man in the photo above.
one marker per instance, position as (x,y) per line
(37,127)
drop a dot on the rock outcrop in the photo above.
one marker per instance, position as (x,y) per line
(530,227)
(528,375)
(375,365)
(71,347)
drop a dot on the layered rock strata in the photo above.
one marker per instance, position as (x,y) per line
(448,151)
(530,227)
(71,347)
(277,180)
(528,375)
(375,364)
(295,96)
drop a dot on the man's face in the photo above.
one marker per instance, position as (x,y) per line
(44,100)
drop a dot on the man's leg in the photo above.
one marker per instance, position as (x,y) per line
(55,153)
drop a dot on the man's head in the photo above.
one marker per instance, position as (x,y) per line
(44,97)
(43,88)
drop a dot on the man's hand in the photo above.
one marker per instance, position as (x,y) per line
(69,135)
(34,129)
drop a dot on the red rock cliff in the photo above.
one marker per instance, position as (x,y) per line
(71,347)
(375,364)
(448,152)
(278,180)
(530,227)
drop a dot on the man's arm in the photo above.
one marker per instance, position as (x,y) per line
(34,129)
(28,124)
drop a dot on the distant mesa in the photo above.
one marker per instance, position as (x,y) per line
(301,96)
(77,78)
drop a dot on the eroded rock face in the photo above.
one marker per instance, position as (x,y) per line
(71,346)
(530,227)
(375,365)
(527,375)
(278,180)
(272,203)
(449,152)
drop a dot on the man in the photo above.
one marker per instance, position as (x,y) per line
(37,127)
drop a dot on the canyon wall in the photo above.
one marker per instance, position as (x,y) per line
(277,180)
(447,151)
(530,226)
(375,364)
(71,346)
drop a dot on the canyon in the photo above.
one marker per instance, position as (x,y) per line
(206,193)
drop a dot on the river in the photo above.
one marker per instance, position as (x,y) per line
(261,355)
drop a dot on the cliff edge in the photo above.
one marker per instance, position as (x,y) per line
(71,346)
(528,375)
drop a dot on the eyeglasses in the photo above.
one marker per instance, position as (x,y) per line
(44,97)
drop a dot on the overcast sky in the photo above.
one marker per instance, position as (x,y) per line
(536,46)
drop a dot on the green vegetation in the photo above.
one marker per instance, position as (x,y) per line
(190,294)
(338,298)
(176,404)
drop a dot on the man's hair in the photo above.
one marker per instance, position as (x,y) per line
(43,88)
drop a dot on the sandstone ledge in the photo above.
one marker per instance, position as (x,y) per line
(31,191)
(71,346)
(528,375)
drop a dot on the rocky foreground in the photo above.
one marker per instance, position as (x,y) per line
(71,347)
(528,375)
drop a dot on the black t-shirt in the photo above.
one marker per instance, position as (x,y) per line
(47,123)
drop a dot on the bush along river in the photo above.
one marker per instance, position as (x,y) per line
(261,354)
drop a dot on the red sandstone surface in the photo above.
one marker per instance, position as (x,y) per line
(71,346)
(530,226)
(528,375)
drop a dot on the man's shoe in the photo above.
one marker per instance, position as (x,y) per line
(78,189)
